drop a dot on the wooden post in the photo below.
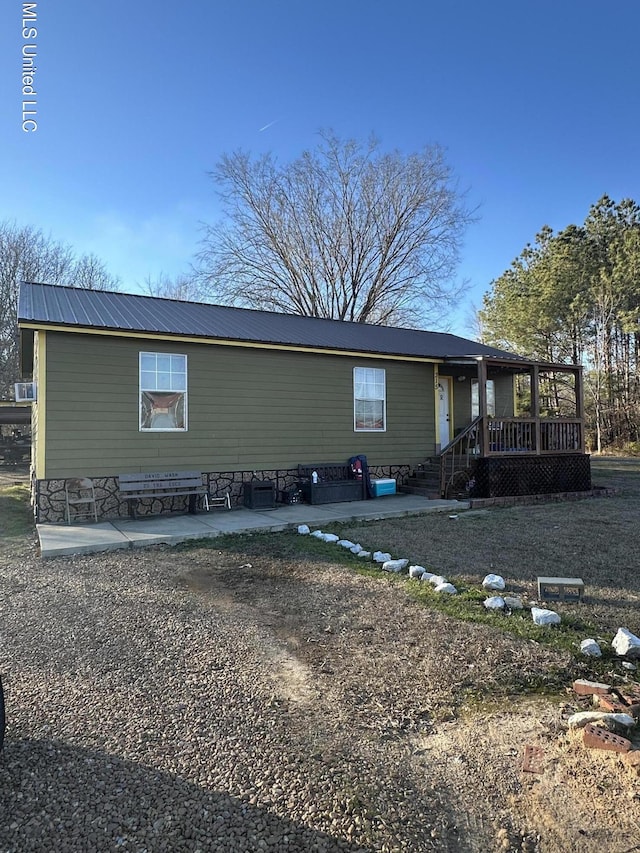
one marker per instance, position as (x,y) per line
(579,390)
(482,407)
(535,403)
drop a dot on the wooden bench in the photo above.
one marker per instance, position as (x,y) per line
(164,484)
(336,483)
(562,589)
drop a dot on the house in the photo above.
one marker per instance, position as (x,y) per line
(127,384)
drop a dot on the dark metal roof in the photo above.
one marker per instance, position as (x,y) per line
(46,305)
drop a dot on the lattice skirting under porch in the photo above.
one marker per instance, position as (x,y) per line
(499,476)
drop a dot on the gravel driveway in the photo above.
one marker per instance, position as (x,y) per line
(202,700)
(145,715)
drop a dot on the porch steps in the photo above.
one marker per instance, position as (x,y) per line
(424,481)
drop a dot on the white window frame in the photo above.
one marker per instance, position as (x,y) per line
(172,382)
(378,376)
(475,398)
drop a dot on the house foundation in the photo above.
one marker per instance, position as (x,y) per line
(49,504)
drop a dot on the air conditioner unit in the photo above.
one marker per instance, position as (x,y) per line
(25,392)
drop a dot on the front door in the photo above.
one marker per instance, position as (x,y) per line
(444,403)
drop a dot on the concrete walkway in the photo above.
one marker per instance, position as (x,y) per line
(62,539)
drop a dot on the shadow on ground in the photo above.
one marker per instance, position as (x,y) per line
(54,796)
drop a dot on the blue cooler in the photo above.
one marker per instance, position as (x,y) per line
(383,487)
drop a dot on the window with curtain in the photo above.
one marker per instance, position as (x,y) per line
(369,399)
(163,391)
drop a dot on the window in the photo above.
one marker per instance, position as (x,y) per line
(369,399)
(491,399)
(163,391)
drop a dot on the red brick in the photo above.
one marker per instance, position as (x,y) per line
(629,694)
(614,706)
(533,759)
(599,738)
(590,688)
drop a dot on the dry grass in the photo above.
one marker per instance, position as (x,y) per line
(595,539)
(370,681)
(16,520)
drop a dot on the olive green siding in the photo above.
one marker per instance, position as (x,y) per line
(461,404)
(461,393)
(503,385)
(247,408)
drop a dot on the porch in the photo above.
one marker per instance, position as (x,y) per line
(526,435)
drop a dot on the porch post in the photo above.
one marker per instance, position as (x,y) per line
(482,406)
(535,404)
(579,388)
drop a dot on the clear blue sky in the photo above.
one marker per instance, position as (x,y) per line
(537,105)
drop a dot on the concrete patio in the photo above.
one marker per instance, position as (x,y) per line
(62,539)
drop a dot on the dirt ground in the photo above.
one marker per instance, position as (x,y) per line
(363,670)
(368,666)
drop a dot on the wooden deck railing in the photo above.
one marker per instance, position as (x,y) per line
(507,436)
(533,435)
(510,435)
(458,455)
(563,435)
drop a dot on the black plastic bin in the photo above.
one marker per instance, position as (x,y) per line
(259,494)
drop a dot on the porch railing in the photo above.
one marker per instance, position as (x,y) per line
(506,436)
(533,435)
(458,454)
(563,435)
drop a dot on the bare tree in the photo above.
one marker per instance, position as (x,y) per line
(182,287)
(343,232)
(90,273)
(26,254)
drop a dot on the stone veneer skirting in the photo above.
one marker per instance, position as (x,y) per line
(50,506)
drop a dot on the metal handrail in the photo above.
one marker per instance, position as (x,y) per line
(460,448)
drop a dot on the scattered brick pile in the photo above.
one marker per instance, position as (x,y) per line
(613,704)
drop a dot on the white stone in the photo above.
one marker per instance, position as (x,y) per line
(303,528)
(394,565)
(544,617)
(436,580)
(427,576)
(381,557)
(590,648)
(513,602)
(446,587)
(493,582)
(496,602)
(345,543)
(416,571)
(357,548)
(318,534)
(580,720)
(364,555)
(330,537)
(626,644)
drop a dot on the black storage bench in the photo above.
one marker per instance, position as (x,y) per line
(336,483)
